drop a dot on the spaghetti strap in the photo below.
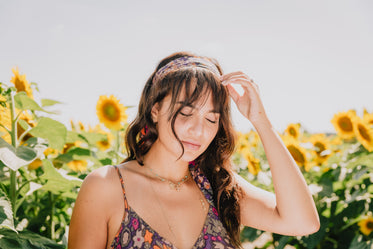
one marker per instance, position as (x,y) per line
(123,190)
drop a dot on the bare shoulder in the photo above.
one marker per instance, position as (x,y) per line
(100,175)
(100,180)
(95,199)
(98,186)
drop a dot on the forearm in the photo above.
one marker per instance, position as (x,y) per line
(294,202)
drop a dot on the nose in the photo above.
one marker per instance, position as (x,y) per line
(196,126)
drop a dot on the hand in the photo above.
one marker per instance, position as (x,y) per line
(249,104)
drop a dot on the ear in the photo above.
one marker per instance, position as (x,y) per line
(155,112)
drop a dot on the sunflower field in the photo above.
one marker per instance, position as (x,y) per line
(43,163)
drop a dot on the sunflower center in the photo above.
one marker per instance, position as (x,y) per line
(297,154)
(370,225)
(345,124)
(104,143)
(320,147)
(110,111)
(20,84)
(293,132)
(363,132)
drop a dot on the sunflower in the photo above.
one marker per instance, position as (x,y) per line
(81,126)
(106,143)
(298,153)
(242,142)
(253,164)
(78,165)
(293,130)
(343,124)
(110,112)
(21,83)
(50,152)
(366,225)
(321,148)
(254,138)
(27,117)
(5,120)
(35,164)
(68,146)
(363,133)
(368,118)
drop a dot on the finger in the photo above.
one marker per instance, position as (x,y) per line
(233,93)
(244,82)
(228,75)
(235,75)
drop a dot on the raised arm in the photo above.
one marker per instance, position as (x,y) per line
(291,210)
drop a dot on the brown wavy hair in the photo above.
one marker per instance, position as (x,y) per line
(215,161)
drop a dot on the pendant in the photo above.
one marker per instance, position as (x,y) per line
(174,186)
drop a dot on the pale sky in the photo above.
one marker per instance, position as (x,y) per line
(310,59)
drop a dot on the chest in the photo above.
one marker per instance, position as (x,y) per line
(178,217)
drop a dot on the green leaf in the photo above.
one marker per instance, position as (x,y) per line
(79,151)
(57,182)
(51,130)
(6,213)
(250,234)
(283,241)
(24,124)
(23,102)
(16,158)
(93,138)
(365,159)
(73,136)
(49,102)
(314,239)
(26,240)
(108,161)
(359,243)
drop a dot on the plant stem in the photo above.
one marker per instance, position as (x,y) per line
(13,134)
(13,190)
(51,215)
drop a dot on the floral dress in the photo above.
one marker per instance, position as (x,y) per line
(134,232)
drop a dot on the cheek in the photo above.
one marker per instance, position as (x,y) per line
(212,132)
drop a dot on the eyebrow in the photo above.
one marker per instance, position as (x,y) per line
(192,106)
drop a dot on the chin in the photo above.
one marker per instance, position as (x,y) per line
(188,157)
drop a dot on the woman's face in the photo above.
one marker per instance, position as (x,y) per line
(195,125)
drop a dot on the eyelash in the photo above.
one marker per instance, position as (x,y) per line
(188,115)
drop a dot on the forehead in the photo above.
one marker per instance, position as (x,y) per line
(198,95)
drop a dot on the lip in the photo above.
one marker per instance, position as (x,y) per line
(191,145)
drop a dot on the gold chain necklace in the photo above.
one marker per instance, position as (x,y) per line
(163,213)
(176,186)
(178,189)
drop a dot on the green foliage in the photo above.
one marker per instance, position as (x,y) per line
(15,158)
(343,198)
(6,213)
(51,130)
(55,182)
(26,240)
(23,102)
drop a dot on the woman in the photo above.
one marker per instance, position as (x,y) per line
(176,189)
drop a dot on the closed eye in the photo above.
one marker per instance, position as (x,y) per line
(185,114)
(211,121)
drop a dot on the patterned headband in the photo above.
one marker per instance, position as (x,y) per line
(184,62)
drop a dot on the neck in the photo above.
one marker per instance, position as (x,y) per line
(165,164)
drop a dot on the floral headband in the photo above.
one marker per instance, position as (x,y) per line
(184,62)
